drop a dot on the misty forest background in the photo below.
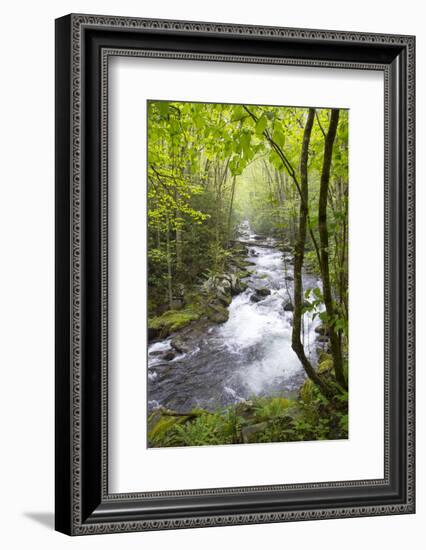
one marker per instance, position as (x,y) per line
(212,167)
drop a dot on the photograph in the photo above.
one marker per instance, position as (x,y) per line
(247,283)
(210,299)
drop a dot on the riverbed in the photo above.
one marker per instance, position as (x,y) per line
(248,355)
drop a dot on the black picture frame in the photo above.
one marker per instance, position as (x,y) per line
(83,45)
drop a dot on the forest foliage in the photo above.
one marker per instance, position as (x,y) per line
(285,169)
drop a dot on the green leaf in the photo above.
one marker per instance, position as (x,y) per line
(238,113)
(261,125)
(278,137)
(163,107)
(276,160)
(317,292)
(245,143)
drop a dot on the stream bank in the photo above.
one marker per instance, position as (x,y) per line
(307,416)
(209,365)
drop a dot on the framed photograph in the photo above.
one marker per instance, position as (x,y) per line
(234,274)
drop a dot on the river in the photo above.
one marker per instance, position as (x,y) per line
(248,355)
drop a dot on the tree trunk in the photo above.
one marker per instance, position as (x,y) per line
(231,205)
(179,261)
(169,266)
(335,341)
(299,254)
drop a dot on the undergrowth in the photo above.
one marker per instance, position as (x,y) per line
(258,420)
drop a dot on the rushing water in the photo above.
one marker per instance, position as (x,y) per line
(248,355)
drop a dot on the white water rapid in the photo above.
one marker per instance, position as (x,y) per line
(248,355)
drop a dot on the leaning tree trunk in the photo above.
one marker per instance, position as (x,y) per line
(335,341)
(299,254)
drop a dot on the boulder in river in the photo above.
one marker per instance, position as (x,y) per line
(180,345)
(168,356)
(263,292)
(289,278)
(260,294)
(237,285)
(288,306)
(321,329)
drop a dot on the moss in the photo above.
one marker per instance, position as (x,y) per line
(160,425)
(174,320)
(307,391)
(325,366)
(322,356)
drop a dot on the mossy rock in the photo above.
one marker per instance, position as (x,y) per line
(217,313)
(262,292)
(325,366)
(162,420)
(159,424)
(307,391)
(173,320)
(224,299)
(323,356)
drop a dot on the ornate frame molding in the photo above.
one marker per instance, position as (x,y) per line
(73,517)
